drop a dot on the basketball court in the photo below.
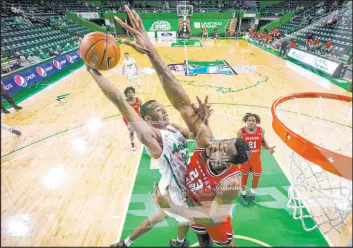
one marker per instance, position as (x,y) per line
(72,180)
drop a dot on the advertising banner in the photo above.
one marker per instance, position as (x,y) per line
(37,74)
(166,35)
(160,25)
(209,24)
(329,67)
(87,15)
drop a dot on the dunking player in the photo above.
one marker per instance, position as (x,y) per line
(130,70)
(255,137)
(166,143)
(135,103)
(211,199)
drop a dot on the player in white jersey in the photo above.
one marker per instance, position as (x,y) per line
(166,143)
(130,70)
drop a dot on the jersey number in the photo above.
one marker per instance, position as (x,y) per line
(252,144)
(195,186)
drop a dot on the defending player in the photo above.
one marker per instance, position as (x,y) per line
(135,103)
(219,155)
(255,137)
(130,70)
(213,183)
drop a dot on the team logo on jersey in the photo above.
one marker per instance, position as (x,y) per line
(69,58)
(57,64)
(41,72)
(20,81)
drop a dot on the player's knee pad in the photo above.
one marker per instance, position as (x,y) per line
(204,240)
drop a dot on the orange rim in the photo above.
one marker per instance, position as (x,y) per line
(331,161)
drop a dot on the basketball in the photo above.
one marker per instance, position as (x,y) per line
(100,51)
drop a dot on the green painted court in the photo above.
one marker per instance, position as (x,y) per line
(269,223)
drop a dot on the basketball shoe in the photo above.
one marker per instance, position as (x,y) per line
(252,197)
(244,200)
(14,131)
(175,243)
(119,244)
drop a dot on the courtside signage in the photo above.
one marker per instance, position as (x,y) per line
(322,64)
(35,75)
(87,15)
(166,35)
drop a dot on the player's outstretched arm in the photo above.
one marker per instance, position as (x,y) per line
(173,89)
(220,207)
(265,144)
(204,111)
(145,133)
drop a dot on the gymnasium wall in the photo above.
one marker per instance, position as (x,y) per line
(169,21)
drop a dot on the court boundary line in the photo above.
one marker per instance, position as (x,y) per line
(122,223)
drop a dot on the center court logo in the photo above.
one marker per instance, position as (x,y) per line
(41,72)
(20,81)
(57,64)
(161,26)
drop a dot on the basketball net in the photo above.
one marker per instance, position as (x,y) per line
(319,198)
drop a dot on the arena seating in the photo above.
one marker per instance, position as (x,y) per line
(38,26)
(340,33)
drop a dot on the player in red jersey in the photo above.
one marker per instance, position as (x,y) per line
(255,137)
(135,103)
(211,211)
(213,183)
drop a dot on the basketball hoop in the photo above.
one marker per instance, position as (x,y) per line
(316,130)
(184,9)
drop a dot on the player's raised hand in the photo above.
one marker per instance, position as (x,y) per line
(204,110)
(142,41)
(271,150)
(159,199)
